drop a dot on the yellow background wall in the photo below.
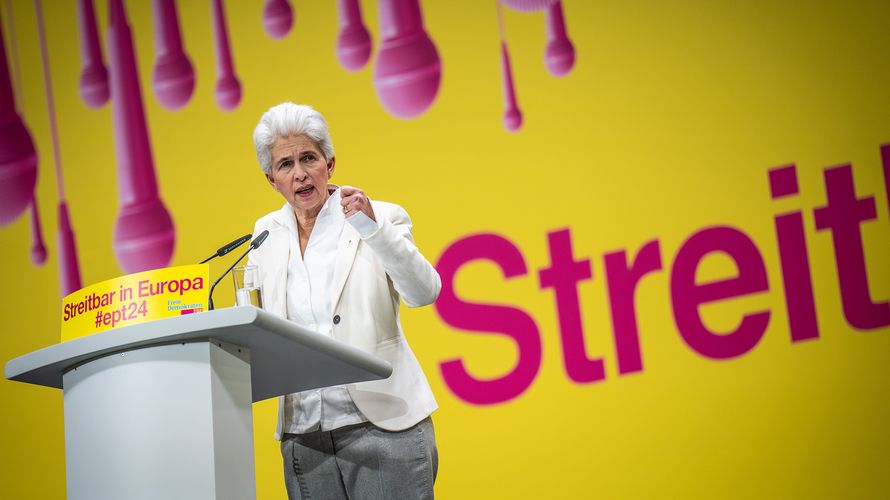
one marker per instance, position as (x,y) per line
(668,124)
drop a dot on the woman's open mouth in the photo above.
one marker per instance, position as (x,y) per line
(305,192)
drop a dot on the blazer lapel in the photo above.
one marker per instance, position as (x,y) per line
(278,251)
(346,250)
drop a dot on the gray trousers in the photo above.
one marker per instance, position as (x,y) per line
(361,462)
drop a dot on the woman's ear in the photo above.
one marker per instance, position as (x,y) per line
(271,182)
(331,163)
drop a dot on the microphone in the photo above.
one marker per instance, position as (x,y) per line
(408,70)
(93,83)
(560,53)
(173,77)
(259,240)
(253,246)
(228,87)
(278,17)
(228,247)
(144,235)
(69,269)
(528,5)
(18,158)
(512,113)
(353,41)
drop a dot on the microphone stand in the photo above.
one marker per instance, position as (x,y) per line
(228,248)
(253,246)
(210,298)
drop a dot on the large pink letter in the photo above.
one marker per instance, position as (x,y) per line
(842,215)
(885,162)
(687,296)
(509,321)
(799,300)
(563,276)
(622,280)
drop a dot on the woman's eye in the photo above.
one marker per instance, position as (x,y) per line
(309,158)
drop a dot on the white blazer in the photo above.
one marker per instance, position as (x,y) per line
(370,277)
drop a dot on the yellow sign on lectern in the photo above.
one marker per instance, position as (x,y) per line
(135,298)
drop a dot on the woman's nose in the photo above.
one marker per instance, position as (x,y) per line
(300,175)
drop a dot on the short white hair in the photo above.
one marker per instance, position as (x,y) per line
(289,119)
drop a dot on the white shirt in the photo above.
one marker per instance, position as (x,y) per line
(309,277)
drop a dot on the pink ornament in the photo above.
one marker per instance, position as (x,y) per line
(408,70)
(93,77)
(560,54)
(278,18)
(353,42)
(18,158)
(228,87)
(173,78)
(143,233)
(528,5)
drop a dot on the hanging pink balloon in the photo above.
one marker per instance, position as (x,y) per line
(528,5)
(143,233)
(93,77)
(228,87)
(559,57)
(18,158)
(278,18)
(408,70)
(353,42)
(173,77)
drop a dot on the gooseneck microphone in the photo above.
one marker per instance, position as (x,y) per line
(228,247)
(253,246)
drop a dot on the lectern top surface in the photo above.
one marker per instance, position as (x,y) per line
(284,357)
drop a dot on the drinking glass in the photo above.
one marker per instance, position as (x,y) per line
(247,286)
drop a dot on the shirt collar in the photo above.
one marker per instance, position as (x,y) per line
(331,208)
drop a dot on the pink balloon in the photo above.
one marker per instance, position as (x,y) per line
(560,54)
(173,78)
(143,233)
(408,70)
(18,158)
(93,77)
(278,18)
(528,5)
(353,42)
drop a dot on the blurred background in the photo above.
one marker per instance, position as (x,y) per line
(623,123)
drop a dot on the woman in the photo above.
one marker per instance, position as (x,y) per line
(338,264)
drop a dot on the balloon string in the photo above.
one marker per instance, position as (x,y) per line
(50,104)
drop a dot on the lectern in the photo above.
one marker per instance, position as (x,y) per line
(162,410)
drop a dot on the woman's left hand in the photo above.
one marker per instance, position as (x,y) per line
(354,200)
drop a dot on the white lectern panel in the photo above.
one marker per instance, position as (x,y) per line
(167,422)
